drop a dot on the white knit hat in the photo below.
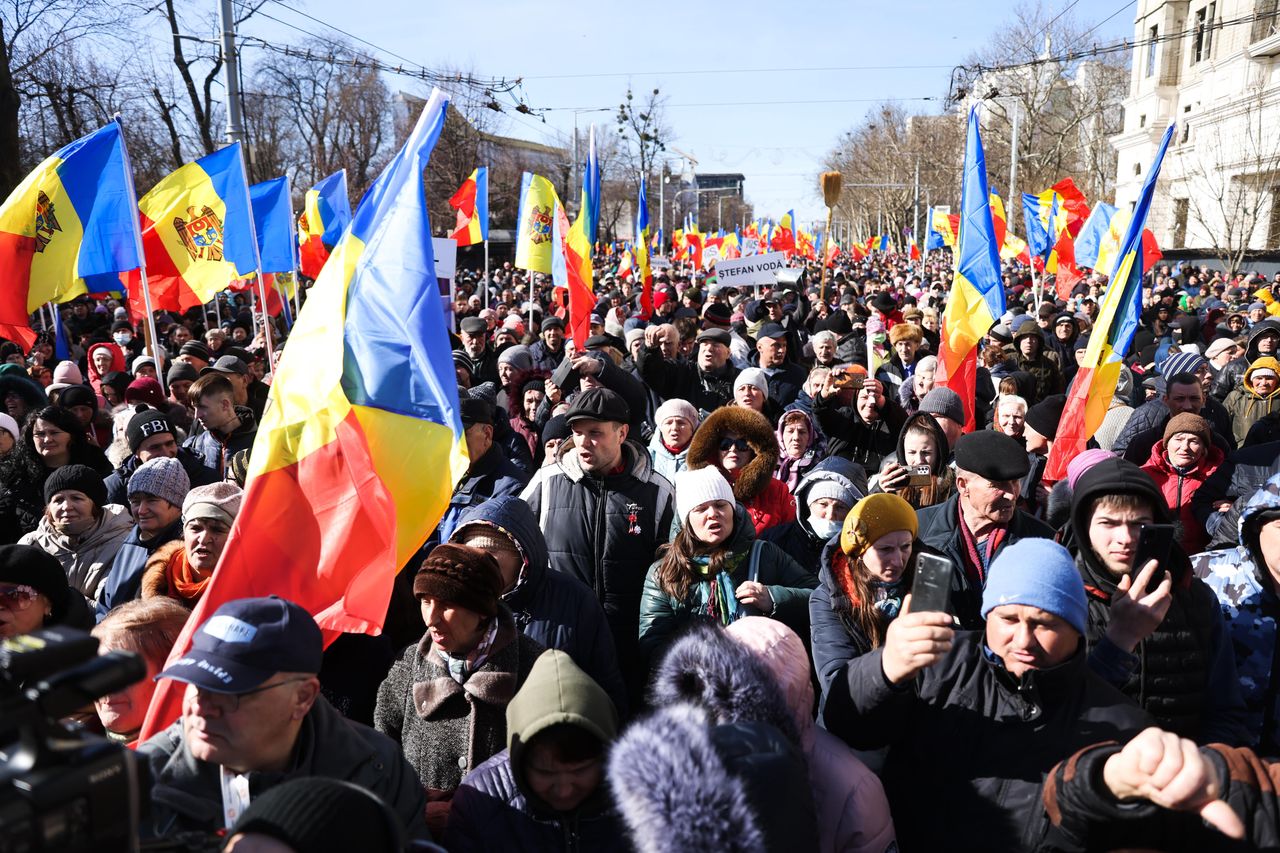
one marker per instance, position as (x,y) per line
(753,376)
(9,425)
(676,408)
(695,488)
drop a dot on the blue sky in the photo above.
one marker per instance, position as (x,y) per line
(575,55)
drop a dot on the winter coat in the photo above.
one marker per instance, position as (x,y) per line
(22,488)
(117,364)
(785,382)
(1047,374)
(214,449)
(1178,488)
(87,558)
(665,462)
(1150,418)
(491,476)
(853,813)
(768,501)
(186,793)
(1183,674)
(940,530)
(1246,406)
(444,728)
(494,808)
(543,357)
(605,531)
(1246,592)
(1243,473)
(124,581)
(554,608)
(796,538)
(790,471)
(198,473)
(848,435)
(969,743)
(680,379)
(662,615)
(944,481)
(1232,372)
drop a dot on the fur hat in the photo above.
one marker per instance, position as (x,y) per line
(704,449)
(460,575)
(873,517)
(905,332)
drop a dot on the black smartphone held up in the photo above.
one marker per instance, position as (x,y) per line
(931,589)
(1155,542)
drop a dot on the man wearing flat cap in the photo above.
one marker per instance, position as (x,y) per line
(981,519)
(706,382)
(474,335)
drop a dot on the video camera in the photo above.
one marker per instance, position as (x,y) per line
(60,788)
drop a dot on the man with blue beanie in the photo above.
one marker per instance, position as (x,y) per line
(974,719)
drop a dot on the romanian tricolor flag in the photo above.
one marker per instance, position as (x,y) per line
(71,219)
(362,441)
(197,233)
(977,292)
(1109,342)
(472,203)
(326,213)
(784,238)
(538,200)
(1097,231)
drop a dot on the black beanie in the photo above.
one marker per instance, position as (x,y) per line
(181,371)
(146,423)
(82,478)
(316,814)
(23,564)
(78,395)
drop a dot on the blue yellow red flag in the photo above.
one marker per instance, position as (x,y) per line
(273,219)
(471,201)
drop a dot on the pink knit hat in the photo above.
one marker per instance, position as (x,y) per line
(1086,460)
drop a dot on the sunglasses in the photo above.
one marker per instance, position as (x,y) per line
(739,444)
(18,597)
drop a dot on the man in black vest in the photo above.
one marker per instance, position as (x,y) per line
(1158,635)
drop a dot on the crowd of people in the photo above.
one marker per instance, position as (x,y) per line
(669,606)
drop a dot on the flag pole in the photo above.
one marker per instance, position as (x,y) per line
(485,227)
(293,242)
(257,257)
(150,329)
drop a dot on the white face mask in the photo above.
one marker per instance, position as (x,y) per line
(823,528)
(122,338)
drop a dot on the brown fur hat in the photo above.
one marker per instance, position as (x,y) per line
(704,449)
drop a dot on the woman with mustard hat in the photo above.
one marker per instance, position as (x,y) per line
(865,574)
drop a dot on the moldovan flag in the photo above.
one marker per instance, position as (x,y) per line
(538,201)
(1109,342)
(196,233)
(362,442)
(977,292)
(73,218)
(472,203)
(326,213)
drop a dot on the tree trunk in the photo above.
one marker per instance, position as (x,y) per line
(10,159)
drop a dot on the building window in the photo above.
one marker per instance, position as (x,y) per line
(1137,168)
(1142,120)
(1151,51)
(1266,20)
(1180,208)
(1202,34)
(1273,227)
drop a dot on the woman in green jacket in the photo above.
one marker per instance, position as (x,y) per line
(716,569)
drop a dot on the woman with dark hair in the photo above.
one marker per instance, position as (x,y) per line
(921,444)
(716,569)
(52,437)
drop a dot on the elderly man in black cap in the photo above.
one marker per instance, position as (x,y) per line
(707,383)
(474,335)
(151,434)
(253,718)
(604,511)
(786,378)
(548,351)
(982,517)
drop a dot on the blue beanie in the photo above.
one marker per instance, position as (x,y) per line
(1038,573)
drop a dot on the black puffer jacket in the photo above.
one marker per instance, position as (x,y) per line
(554,608)
(970,743)
(849,436)
(940,529)
(683,380)
(193,463)
(605,532)
(1243,473)
(1177,672)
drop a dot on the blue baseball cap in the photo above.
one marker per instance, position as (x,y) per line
(245,642)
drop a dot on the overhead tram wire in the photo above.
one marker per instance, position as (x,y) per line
(696,71)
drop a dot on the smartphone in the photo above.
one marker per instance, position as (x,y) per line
(931,589)
(846,377)
(921,475)
(1155,542)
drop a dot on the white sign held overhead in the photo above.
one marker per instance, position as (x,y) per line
(752,271)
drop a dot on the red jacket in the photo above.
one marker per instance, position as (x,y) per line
(1178,489)
(773,506)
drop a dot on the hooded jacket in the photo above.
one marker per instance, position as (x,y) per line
(1246,592)
(1233,371)
(553,608)
(1179,487)
(117,364)
(969,743)
(1145,426)
(494,808)
(768,501)
(186,794)
(605,531)
(1183,674)
(87,559)
(797,538)
(662,615)
(944,481)
(853,814)
(1247,406)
